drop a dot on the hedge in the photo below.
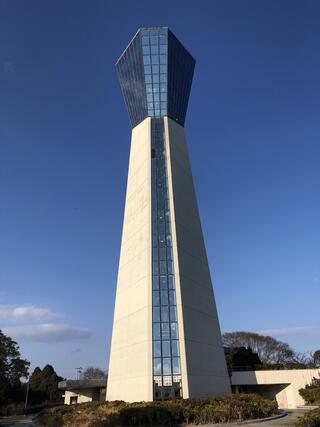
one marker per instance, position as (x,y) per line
(311,393)
(168,413)
(310,419)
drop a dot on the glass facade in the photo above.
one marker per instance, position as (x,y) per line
(165,336)
(155,73)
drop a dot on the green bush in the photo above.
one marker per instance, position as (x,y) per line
(310,419)
(168,413)
(311,393)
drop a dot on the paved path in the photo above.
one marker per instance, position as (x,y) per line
(16,422)
(287,421)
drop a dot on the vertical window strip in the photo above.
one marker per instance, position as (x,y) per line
(166,358)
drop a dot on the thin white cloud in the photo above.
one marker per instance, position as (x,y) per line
(298,330)
(47,332)
(25,313)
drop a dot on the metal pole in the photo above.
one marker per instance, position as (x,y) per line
(27,393)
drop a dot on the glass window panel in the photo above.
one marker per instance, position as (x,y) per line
(155,270)
(150,105)
(154,32)
(163,96)
(157,107)
(149,88)
(163,87)
(173,314)
(145,32)
(176,365)
(148,78)
(146,50)
(155,59)
(157,366)
(164,298)
(172,298)
(165,314)
(163,267)
(145,40)
(166,349)
(146,59)
(156,314)
(170,267)
(174,330)
(156,348)
(171,280)
(155,253)
(165,331)
(162,239)
(163,281)
(155,78)
(163,78)
(163,254)
(163,69)
(156,87)
(154,49)
(169,253)
(149,97)
(156,331)
(154,40)
(163,59)
(156,97)
(147,69)
(163,49)
(168,240)
(163,39)
(175,348)
(155,69)
(166,366)
(163,105)
(157,113)
(155,282)
(151,113)
(156,300)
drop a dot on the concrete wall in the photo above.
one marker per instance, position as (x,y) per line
(204,370)
(284,385)
(130,367)
(84,395)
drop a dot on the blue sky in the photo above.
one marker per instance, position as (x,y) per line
(253,132)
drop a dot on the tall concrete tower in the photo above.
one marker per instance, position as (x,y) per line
(166,340)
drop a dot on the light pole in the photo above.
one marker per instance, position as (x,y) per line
(27,394)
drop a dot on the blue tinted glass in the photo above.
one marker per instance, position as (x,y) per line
(147,69)
(163,68)
(163,59)
(155,282)
(154,49)
(166,349)
(163,40)
(156,314)
(148,78)
(175,348)
(146,59)
(157,366)
(176,365)
(145,40)
(164,297)
(173,314)
(174,330)
(156,348)
(156,331)
(156,299)
(155,59)
(154,32)
(163,78)
(171,282)
(172,299)
(165,331)
(163,49)
(155,69)
(146,50)
(166,366)
(154,40)
(165,314)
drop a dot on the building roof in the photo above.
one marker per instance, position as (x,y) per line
(80,384)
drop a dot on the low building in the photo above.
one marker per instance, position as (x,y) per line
(82,391)
(282,385)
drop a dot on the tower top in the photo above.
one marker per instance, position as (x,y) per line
(155,73)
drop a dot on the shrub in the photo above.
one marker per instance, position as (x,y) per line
(167,413)
(311,393)
(310,419)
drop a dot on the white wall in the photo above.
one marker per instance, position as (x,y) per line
(291,380)
(130,367)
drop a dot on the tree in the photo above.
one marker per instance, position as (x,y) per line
(316,358)
(44,385)
(92,373)
(268,349)
(12,368)
(242,358)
